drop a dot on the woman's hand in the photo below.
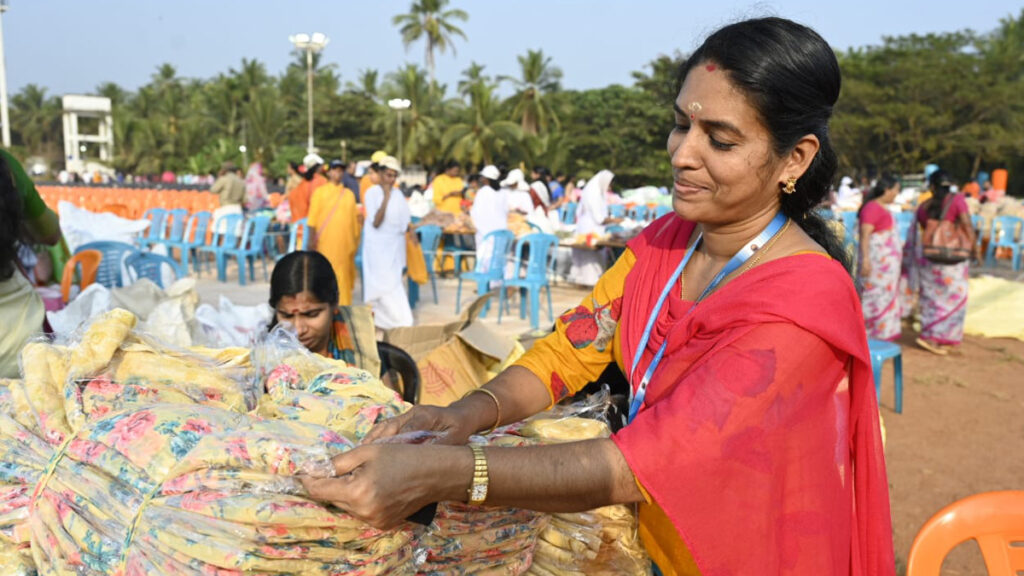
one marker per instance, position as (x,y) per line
(865,266)
(452,421)
(383,485)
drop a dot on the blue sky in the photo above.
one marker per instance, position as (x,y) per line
(71,46)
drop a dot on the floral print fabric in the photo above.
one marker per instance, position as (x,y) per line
(879,290)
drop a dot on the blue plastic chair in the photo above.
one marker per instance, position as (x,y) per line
(638,213)
(502,241)
(149,265)
(174,224)
(661,210)
(617,210)
(191,238)
(157,220)
(293,235)
(109,272)
(978,223)
(430,241)
(880,352)
(1007,232)
(248,249)
(533,280)
(904,220)
(455,248)
(225,237)
(567,213)
(850,225)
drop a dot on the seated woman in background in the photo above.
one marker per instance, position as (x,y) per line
(304,293)
(880,258)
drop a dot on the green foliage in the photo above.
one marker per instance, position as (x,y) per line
(952,98)
(428,19)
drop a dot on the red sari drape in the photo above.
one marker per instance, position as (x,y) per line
(759,436)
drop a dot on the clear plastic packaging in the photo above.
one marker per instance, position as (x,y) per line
(598,542)
(301,387)
(173,488)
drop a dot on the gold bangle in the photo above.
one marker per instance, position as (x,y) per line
(497,404)
(478,488)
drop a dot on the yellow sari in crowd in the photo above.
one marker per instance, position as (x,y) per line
(332,213)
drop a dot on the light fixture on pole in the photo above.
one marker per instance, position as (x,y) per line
(4,118)
(245,154)
(399,104)
(311,44)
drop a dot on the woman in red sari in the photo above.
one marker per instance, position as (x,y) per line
(753,444)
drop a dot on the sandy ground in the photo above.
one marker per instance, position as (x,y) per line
(960,432)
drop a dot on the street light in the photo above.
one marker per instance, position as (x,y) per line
(245,156)
(4,119)
(399,104)
(311,43)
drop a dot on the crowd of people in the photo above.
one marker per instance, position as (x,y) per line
(713,314)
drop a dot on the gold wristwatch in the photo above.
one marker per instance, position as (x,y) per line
(478,489)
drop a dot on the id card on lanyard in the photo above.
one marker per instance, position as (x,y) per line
(637,395)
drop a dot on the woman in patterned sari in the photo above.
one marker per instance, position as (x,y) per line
(753,443)
(942,288)
(880,258)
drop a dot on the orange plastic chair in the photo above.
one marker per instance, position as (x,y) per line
(994,519)
(118,210)
(90,261)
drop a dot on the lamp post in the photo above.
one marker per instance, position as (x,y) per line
(399,104)
(311,43)
(4,119)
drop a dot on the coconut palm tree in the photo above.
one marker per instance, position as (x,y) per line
(428,19)
(538,77)
(420,132)
(483,136)
(35,120)
(471,77)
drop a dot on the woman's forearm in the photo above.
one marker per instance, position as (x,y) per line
(568,477)
(520,393)
(378,218)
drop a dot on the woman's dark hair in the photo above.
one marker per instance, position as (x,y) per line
(884,182)
(452,164)
(303,271)
(10,222)
(940,184)
(310,172)
(294,166)
(790,75)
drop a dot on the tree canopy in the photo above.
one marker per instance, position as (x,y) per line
(951,99)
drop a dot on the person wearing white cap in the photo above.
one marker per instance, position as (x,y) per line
(489,213)
(387,221)
(300,196)
(591,214)
(517,191)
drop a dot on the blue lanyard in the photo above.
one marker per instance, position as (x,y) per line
(636,400)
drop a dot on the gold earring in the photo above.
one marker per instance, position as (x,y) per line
(790,186)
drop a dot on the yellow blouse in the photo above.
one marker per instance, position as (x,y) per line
(586,339)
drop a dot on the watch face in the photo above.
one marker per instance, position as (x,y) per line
(479,493)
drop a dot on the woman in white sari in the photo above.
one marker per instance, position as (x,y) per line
(387,220)
(591,216)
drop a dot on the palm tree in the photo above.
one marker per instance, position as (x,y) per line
(35,119)
(428,18)
(471,77)
(420,135)
(539,77)
(483,136)
(367,84)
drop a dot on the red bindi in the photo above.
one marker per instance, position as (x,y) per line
(711,67)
